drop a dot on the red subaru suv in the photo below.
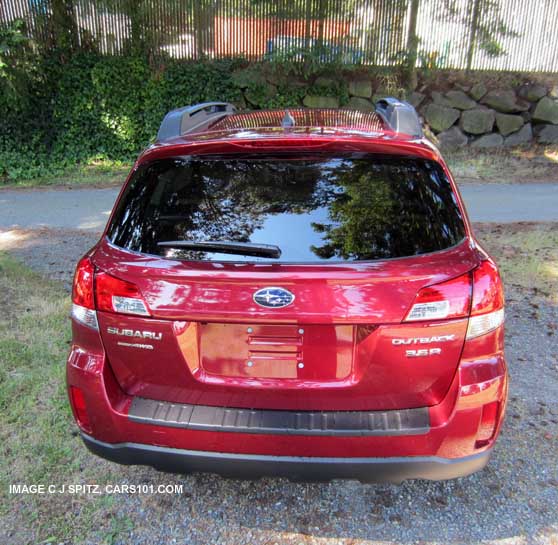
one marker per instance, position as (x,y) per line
(294,293)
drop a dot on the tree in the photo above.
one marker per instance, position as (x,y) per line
(63,25)
(486,28)
(483,18)
(16,66)
(412,46)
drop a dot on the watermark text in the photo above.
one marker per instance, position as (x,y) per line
(96,489)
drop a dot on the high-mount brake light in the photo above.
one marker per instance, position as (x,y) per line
(487,309)
(451,299)
(115,295)
(83,301)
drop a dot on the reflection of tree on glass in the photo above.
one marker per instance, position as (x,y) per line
(384,208)
(310,209)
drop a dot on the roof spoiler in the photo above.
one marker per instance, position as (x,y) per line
(400,116)
(190,118)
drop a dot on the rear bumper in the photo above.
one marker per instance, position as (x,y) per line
(298,468)
(453,439)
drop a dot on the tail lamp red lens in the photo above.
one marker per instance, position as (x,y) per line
(82,289)
(450,299)
(80,410)
(487,309)
(93,290)
(478,294)
(115,295)
(83,299)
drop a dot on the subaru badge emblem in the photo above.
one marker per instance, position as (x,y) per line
(273,297)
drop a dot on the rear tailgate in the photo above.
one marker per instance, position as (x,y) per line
(339,346)
(358,236)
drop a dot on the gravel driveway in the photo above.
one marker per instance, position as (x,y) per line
(513,501)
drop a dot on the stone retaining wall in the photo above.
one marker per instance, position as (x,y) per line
(476,115)
(482,110)
(484,118)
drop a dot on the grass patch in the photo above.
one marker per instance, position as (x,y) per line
(469,165)
(39,443)
(527,254)
(96,173)
(534,164)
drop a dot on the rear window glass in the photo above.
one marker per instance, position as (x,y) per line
(312,209)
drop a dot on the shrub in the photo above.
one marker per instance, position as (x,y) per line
(89,107)
(96,106)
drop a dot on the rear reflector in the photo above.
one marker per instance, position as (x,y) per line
(487,427)
(80,411)
(451,299)
(115,295)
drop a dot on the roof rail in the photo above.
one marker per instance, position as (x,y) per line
(400,116)
(189,118)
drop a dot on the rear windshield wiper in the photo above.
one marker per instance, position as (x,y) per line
(238,248)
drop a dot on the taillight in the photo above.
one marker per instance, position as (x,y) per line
(83,302)
(451,299)
(487,309)
(80,410)
(82,289)
(115,295)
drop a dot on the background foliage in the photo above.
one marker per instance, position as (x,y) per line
(97,107)
(64,103)
(77,108)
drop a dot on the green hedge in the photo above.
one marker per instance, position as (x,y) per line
(96,107)
(91,108)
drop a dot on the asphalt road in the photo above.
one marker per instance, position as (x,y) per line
(88,209)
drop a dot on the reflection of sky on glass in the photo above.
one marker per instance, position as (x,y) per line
(293,233)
